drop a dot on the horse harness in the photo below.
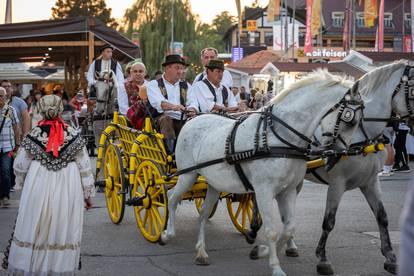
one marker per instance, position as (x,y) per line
(261,148)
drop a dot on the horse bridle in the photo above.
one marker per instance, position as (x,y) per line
(346,114)
(407,82)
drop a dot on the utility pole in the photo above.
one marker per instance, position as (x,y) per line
(286,29)
(403,25)
(353,25)
(172,26)
(293,29)
(8,17)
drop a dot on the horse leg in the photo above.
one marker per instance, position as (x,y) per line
(184,183)
(255,224)
(372,194)
(334,196)
(287,206)
(264,201)
(211,198)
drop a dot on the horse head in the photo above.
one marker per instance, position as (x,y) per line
(105,92)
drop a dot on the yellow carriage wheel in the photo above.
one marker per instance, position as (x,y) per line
(240,208)
(114,177)
(199,204)
(152,213)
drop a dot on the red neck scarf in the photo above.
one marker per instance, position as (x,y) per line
(56,135)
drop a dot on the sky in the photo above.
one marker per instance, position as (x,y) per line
(31,10)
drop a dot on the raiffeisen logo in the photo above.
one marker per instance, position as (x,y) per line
(326,53)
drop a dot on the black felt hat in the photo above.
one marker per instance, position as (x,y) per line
(215,64)
(171,59)
(106,46)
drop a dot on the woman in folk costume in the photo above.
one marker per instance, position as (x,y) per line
(54,166)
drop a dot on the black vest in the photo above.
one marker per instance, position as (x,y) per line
(183,90)
(98,63)
(224,92)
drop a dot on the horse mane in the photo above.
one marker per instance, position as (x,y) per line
(319,76)
(374,79)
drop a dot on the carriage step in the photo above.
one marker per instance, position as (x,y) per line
(135,201)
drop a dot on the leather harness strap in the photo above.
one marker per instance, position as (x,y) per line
(225,93)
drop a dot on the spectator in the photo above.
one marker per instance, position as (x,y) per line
(236,93)
(158,75)
(9,143)
(20,107)
(258,101)
(34,110)
(243,104)
(387,168)
(401,155)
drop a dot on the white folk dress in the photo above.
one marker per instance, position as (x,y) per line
(49,225)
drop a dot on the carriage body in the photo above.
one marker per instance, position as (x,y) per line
(133,167)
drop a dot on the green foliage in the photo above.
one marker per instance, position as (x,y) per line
(152,20)
(73,8)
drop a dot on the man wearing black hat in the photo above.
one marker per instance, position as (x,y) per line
(105,63)
(210,94)
(169,98)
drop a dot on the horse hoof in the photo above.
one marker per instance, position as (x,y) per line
(254,253)
(202,261)
(250,238)
(161,242)
(324,269)
(292,252)
(391,267)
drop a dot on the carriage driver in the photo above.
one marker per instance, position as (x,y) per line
(206,55)
(105,63)
(210,94)
(169,98)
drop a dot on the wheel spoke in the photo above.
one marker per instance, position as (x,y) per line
(238,210)
(156,214)
(155,221)
(144,221)
(156,203)
(151,220)
(244,215)
(156,194)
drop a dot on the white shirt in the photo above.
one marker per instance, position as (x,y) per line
(155,97)
(201,98)
(226,81)
(122,95)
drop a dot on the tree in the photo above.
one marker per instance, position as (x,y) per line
(222,22)
(73,8)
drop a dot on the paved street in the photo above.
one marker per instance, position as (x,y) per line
(353,246)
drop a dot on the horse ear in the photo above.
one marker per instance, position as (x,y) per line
(110,75)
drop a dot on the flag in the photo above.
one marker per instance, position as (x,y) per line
(381,27)
(346,37)
(308,36)
(273,10)
(238,4)
(412,25)
(316,17)
(370,12)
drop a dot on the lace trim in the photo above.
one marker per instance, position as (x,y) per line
(46,246)
(49,161)
(21,272)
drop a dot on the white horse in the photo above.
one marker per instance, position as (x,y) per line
(361,171)
(304,105)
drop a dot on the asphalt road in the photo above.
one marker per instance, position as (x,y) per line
(353,247)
